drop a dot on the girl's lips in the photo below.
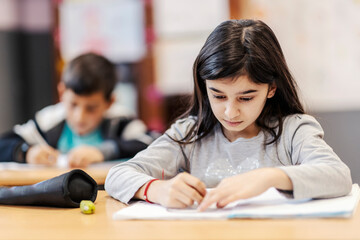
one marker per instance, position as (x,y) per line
(233,123)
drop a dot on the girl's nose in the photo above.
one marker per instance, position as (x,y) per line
(231,110)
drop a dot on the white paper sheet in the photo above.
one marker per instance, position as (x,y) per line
(270,204)
(62,161)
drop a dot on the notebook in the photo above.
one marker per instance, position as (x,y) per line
(270,204)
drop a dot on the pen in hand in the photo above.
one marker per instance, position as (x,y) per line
(42,154)
(182,191)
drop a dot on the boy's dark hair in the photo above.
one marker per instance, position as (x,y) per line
(243,48)
(90,73)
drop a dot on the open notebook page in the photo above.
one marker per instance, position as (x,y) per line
(270,204)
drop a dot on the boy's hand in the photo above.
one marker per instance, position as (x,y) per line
(84,155)
(39,154)
(246,185)
(179,192)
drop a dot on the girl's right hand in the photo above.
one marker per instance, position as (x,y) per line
(179,192)
(39,154)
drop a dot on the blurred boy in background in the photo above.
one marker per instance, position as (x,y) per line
(84,125)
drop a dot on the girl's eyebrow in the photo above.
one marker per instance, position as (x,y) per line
(244,92)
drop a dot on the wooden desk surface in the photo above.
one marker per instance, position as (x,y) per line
(21,222)
(15,174)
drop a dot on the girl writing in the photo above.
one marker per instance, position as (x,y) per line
(246,131)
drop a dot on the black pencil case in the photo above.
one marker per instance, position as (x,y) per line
(66,190)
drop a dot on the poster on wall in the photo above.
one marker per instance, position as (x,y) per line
(114,28)
(174,18)
(181,29)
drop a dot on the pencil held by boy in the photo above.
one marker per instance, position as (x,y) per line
(244,132)
(85,125)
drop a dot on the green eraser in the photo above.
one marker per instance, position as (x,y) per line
(87,207)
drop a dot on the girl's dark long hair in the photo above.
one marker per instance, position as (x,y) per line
(236,48)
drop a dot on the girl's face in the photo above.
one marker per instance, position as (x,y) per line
(237,103)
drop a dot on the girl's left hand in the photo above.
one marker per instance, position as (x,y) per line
(246,185)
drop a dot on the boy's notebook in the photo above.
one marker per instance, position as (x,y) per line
(270,204)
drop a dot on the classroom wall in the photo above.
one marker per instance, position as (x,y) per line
(342,133)
(10,97)
(26,60)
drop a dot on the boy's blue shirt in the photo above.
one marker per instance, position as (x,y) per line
(69,139)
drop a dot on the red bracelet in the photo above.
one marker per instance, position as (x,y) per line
(146,189)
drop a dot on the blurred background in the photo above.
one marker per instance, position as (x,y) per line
(154,44)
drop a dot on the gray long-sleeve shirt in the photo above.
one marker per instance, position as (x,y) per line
(314,169)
